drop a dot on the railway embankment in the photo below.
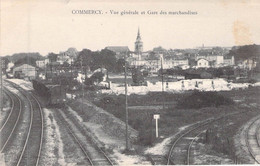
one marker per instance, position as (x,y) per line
(240,141)
(106,131)
(103,125)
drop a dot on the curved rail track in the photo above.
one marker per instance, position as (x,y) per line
(190,146)
(184,140)
(252,140)
(183,143)
(32,146)
(5,120)
(10,124)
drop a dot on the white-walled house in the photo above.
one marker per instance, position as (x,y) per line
(247,64)
(9,66)
(216,60)
(63,57)
(180,62)
(168,63)
(42,63)
(202,63)
(229,61)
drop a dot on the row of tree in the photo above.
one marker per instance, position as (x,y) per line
(246,52)
(94,59)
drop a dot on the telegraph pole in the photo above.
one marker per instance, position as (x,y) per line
(82,86)
(1,77)
(126,110)
(71,77)
(162,80)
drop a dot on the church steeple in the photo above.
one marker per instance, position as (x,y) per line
(138,35)
(138,43)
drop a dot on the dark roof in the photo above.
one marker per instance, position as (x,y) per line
(15,66)
(202,58)
(118,48)
(180,58)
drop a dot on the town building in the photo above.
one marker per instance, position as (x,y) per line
(214,59)
(247,64)
(24,71)
(138,43)
(167,62)
(68,56)
(137,59)
(42,63)
(120,51)
(229,61)
(10,65)
(202,63)
(183,63)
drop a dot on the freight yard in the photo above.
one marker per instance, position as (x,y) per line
(121,113)
(128,115)
(129,83)
(65,129)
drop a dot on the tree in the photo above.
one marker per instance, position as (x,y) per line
(137,77)
(245,52)
(152,56)
(86,57)
(52,57)
(6,61)
(26,60)
(96,77)
(120,65)
(17,56)
(228,71)
(108,59)
(65,66)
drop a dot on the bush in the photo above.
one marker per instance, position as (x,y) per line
(146,136)
(203,99)
(113,104)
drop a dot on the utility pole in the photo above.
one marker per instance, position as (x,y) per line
(45,71)
(126,110)
(82,86)
(71,77)
(1,77)
(162,81)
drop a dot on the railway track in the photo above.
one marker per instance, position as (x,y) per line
(180,150)
(94,154)
(182,144)
(252,140)
(32,145)
(7,115)
(9,126)
(190,146)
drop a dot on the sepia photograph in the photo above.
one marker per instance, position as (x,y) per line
(120,82)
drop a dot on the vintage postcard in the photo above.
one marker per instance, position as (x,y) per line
(109,82)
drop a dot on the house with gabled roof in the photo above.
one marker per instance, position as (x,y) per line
(203,63)
(24,71)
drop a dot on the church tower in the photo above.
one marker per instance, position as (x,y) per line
(138,43)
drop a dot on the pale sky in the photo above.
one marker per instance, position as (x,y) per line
(47,26)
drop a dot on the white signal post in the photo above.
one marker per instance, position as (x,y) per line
(156,117)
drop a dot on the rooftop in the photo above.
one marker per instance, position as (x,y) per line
(118,48)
